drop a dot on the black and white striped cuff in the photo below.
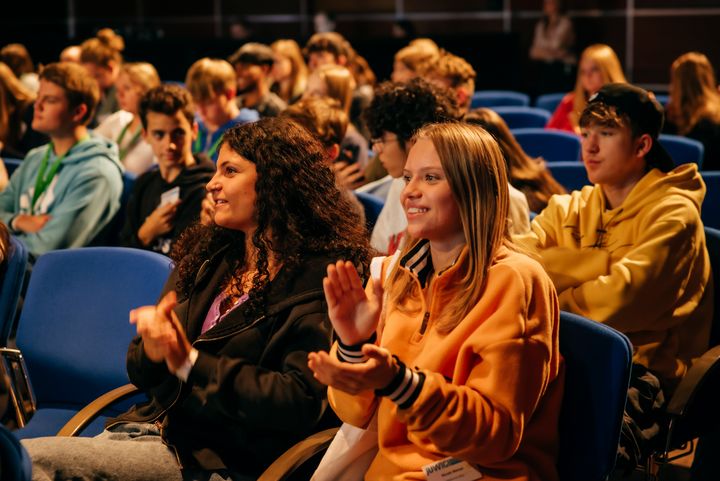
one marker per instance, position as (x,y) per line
(353,353)
(405,387)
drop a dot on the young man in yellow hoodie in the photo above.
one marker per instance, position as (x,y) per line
(630,250)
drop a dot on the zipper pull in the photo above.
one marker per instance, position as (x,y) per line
(425,320)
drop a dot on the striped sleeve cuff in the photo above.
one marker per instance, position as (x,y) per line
(405,387)
(353,353)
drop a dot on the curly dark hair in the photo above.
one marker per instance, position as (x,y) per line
(402,108)
(299,211)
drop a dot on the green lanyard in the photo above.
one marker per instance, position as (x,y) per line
(131,144)
(42,181)
(197,147)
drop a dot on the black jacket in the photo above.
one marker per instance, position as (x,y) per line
(250,394)
(145,198)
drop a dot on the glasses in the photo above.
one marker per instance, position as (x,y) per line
(380,141)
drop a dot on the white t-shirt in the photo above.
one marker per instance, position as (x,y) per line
(139,157)
(389,231)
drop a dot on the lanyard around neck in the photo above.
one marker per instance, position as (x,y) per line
(43,181)
(131,144)
(197,148)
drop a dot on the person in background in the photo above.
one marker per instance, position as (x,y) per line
(17,57)
(124,127)
(694,106)
(529,176)
(165,201)
(253,63)
(213,86)
(454,73)
(71,53)
(102,57)
(289,72)
(599,65)
(223,356)
(64,193)
(17,136)
(409,59)
(552,49)
(453,345)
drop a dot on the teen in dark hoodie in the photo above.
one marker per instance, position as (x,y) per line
(167,200)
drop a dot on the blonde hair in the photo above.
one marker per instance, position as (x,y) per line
(14,99)
(606,58)
(208,78)
(693,92)
(298,73)
(476,173)
(103,49)
(527,174)
(322,117)
(142,74)
(339,83)
(418,52)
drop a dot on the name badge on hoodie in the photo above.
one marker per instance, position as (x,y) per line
(451,469)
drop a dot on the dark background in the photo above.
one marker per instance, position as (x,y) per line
(172,34)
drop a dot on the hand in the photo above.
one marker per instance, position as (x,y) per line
(347,176)
(30,224)
(207,210)
(154,327)
(375,373)
(353,314)
(158,223)
(179,348)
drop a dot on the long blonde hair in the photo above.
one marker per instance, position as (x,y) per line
(606,58)
(693,92)
(295,86)
(14,99)
(529,175)
(339,83)
(476,172)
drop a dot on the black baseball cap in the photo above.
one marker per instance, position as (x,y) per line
(644,112)
(253,53)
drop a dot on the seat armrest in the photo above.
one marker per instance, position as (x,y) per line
(87,414)
(693,378)
(294,457)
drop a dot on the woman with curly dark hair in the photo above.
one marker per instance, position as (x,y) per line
(224,361)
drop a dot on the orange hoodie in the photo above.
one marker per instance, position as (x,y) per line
(488,392)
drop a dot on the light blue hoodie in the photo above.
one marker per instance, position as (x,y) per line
(81,199)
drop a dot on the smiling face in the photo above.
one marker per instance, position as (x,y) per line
(429,205)
(249,76)
(233,192)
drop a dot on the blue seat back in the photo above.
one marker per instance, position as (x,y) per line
(683,150)
(15,462)
(571,175)
(372,205)
(710,212)
(495,98)
(523,117)
(11,286)
(73,330)
(712,239)
(549,102)
(11,164)
(597,375)
(551,145)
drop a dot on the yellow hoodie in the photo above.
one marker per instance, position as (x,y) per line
(641,268)
(489,392)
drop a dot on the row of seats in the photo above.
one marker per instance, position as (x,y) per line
(507,98)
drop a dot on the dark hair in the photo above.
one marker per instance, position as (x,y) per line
(299,210)
(402,108)
(167,99)
(80,88)
(253,53)
(321,116)
(331,42)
